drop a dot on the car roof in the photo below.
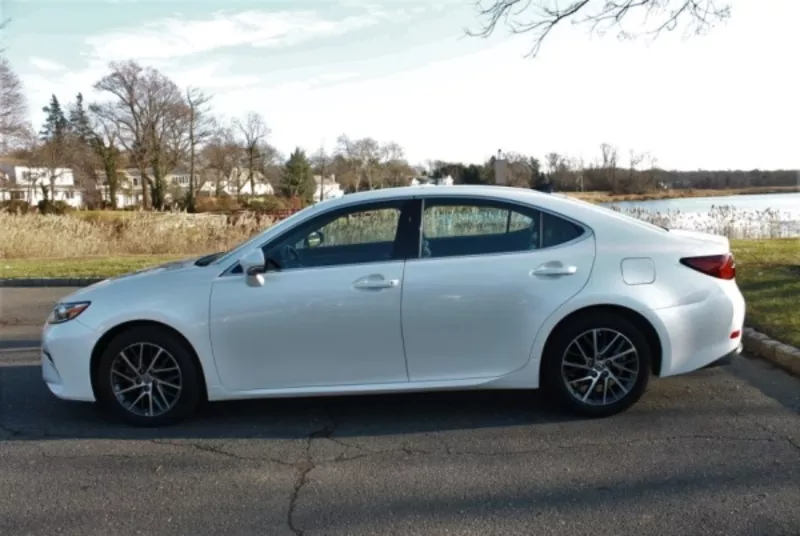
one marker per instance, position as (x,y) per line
(458,190)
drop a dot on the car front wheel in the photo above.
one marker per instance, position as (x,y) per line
(147,377)
(598,365)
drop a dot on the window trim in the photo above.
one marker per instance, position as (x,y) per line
(402,236)
(489,201)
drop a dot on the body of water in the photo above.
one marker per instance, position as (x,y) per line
(736,216)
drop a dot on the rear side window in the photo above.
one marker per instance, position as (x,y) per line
(455,227)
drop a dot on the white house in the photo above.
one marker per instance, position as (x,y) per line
(326,188)
(430,181)
(237,183)
(29,184)
(129,191)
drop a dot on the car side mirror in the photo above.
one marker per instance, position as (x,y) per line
(254,267)
(314,239)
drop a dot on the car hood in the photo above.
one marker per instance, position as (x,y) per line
(149,272)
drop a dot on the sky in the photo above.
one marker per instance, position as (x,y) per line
(404,71)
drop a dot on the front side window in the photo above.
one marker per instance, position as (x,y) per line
(361,235)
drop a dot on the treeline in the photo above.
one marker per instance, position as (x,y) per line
(145,121)
(638,173)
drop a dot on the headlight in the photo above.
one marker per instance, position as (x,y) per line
(63,312)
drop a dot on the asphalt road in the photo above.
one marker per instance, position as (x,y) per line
(714,452)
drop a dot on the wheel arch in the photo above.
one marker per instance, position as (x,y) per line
(633,316)
(103,342)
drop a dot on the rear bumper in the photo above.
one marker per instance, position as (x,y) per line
(703,333)
(727,359)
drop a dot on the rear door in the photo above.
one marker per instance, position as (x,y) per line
(488,273)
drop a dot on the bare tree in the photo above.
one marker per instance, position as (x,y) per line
(364,156)
(220,155)
(697,16)
(150,115)
(270,163)
(393,167)
(14,125)
(254,130)
(201,126)
(320,165)
(608,166)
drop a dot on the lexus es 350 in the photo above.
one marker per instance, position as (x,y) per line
(406,289)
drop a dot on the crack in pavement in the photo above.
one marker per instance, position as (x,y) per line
(304,467)
(217,450)
(774,433)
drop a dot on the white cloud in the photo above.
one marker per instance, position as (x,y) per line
(212,76)
(173,37)
(45,64)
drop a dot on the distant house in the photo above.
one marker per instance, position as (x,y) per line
(326,188)
(24,183)
(237,183)
(430,181)
(129,190)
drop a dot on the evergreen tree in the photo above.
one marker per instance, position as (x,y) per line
(55,124)
(298,179)
(79,121)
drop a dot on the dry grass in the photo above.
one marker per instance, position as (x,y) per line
(724,220)
(138,233)
(91,234)
(608,197)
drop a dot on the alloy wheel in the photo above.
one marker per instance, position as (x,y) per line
(600,367)
(146,379)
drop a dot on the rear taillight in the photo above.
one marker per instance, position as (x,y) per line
(719,266)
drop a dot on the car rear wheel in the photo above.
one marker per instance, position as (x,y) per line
(598,365)
(148,377)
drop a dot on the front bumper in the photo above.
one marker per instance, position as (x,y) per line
(65,355)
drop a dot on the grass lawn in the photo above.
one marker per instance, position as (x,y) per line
(79,266)
(768,272)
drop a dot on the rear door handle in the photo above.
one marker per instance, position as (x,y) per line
(554,269)
(375,283)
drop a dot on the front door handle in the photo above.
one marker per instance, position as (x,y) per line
(375,283)
(554,269)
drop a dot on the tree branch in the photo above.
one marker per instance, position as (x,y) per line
(599,15)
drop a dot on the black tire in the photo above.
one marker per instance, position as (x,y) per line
(554,382)
(189,395)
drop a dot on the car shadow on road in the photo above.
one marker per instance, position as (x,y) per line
(28,411)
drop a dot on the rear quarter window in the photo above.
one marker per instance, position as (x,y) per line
(557,231)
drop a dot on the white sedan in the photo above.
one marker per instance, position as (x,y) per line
(406,289)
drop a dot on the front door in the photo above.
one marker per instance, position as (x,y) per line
(329,316)
(488,275)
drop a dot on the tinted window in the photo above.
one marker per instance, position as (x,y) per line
(364,227)
(477,228)
(558,230)
(360,236)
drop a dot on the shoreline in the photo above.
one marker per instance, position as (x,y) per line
(660,195)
